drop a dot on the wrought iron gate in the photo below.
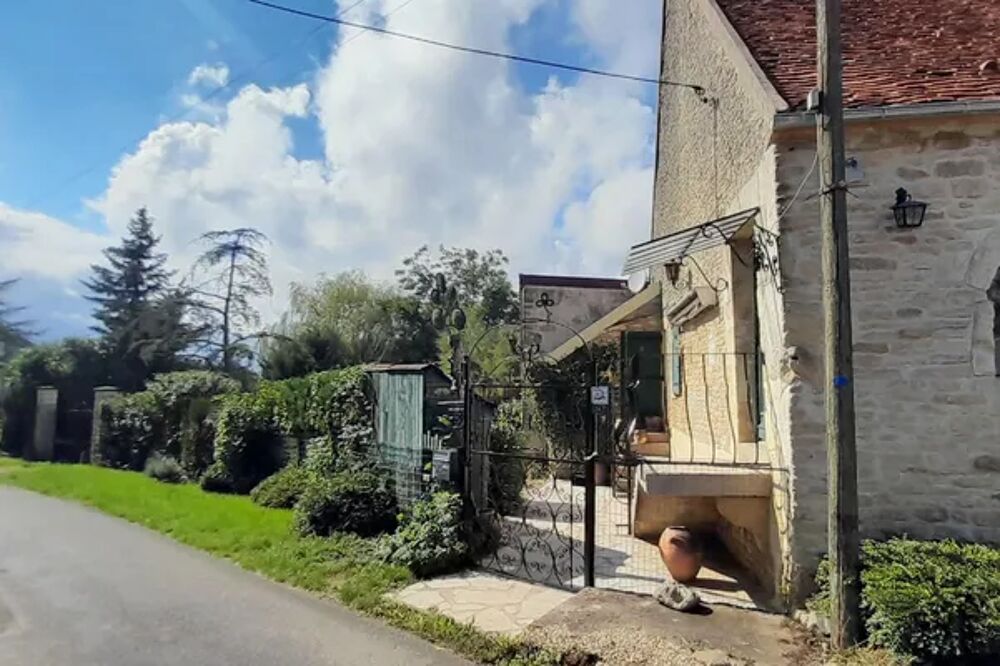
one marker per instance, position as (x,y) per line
(530,473)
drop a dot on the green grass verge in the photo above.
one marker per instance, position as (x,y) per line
(261,540)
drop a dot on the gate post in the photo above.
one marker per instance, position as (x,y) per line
(589,518)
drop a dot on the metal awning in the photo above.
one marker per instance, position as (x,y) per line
(676,246)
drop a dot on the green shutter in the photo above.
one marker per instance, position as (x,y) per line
(676,361)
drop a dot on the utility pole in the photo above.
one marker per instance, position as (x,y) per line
(842,500)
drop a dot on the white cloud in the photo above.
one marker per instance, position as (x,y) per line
(209,75)
(420,146)
(36,245)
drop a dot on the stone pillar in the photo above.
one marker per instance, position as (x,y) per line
(44,442)
(102,394)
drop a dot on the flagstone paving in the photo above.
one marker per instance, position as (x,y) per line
(492,603)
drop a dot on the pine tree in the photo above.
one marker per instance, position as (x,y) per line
(14,332)
(140,318)
(135,277)
(225,281)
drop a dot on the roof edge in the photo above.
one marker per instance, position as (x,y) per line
(537,280)
(799,119)
(742,53)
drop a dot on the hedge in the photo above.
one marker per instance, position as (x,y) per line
(171,417)
(935,600)
(332,407)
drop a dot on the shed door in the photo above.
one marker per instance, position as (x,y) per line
(399,428)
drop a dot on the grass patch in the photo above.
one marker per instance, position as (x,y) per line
(262,540)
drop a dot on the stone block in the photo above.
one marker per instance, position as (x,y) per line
(954,168)
(932,514)
(986,463)
(872,264)
(911,174)
(947,140)
(970,188)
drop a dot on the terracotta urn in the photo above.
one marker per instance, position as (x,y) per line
(681,552)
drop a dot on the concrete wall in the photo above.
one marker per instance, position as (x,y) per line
(574,308)
(928,405)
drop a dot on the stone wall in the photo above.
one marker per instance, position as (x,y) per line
(928,408)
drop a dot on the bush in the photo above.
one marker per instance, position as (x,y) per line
(281,490)
(132,428)
(215,480)
(185,403)
(164,468)
(430,539)
(171,417)
(361,502)
(507,474)
(334,406)
(929,599)
(197,437)
(248,446)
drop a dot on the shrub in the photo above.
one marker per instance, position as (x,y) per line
(215,480)
(334,406)
(132,428)
(361,502)
(430,538)
(281,490)
(170,417)
(929,599)
(184,399)
(248,446)
(197,436)
(164,468)
(507,474)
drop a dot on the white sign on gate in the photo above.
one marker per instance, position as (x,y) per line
(600,396)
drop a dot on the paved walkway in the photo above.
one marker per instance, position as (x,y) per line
(493,603)
(79,587)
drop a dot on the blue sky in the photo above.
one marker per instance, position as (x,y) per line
(342,126)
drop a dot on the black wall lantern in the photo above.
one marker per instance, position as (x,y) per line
(908,213)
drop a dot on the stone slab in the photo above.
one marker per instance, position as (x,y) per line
(492,603)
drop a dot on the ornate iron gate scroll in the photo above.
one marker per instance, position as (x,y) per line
(527,438)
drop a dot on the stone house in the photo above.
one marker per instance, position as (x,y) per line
(734,251)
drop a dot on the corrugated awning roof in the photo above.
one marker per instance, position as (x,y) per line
(676,246)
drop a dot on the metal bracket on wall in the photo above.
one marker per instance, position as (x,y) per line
(767,255)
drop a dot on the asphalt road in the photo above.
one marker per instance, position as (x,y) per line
(80,588)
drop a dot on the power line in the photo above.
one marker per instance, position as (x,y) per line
(699,90)
(239,78)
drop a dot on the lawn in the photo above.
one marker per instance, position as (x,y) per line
(262,540)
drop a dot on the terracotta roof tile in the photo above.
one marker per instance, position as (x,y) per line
(895,51)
